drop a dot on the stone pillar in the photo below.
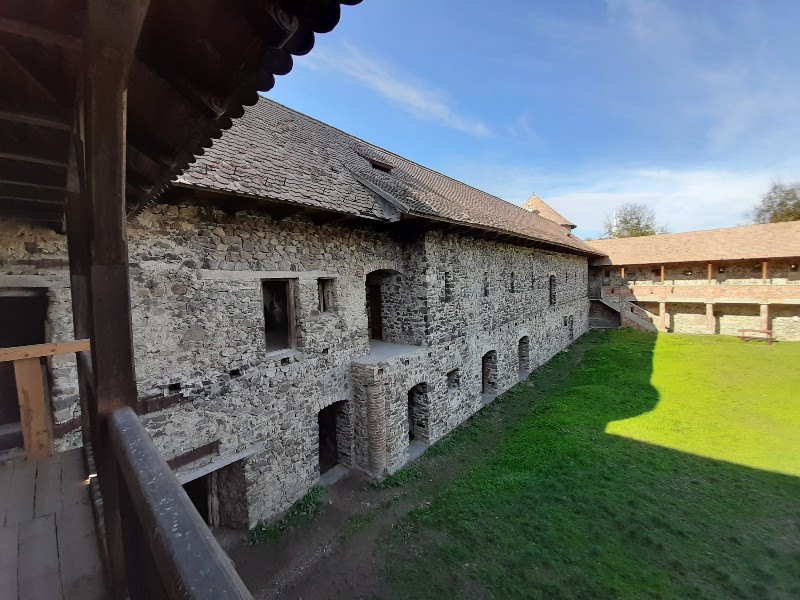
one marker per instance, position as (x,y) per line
(765,316)
(662,316)
(711,319)
(376,423)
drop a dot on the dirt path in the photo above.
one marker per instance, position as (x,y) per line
(337,554)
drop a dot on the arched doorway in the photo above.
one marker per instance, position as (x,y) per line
(524,356)
(489,374)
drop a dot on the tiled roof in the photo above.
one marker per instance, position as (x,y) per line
(277,153)
(535,203)
(774,240)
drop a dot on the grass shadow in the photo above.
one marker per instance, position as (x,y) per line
(550,506)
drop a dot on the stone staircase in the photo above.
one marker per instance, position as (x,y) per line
(629,315)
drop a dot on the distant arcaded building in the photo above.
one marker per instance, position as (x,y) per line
(713,281)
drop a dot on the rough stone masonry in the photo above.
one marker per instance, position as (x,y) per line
(447,302)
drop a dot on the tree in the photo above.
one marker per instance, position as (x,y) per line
(632,220)
(780,203)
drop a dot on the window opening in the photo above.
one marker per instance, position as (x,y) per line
(278,314)
(325,292)
(448,287)
(453,380)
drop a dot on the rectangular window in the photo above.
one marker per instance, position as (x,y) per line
(486,284)
(453,380)
(511,283)
(325,290)
(448,287)
(552,290)
(279,314)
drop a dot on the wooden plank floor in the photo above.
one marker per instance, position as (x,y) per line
(48,541)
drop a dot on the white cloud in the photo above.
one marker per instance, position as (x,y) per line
(684,199)
(416,97)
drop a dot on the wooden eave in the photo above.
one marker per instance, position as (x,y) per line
(194,72)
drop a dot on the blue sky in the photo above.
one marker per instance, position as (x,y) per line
(691,107)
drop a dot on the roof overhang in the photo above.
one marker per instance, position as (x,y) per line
(197,65)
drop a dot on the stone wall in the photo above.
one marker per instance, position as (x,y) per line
(198,323)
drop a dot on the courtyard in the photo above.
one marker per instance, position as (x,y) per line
(630,466)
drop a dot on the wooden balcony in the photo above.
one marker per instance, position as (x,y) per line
(713,293)
(143,540)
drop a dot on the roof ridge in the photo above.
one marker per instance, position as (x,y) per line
(675,233)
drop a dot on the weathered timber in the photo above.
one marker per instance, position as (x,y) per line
(39,350)
(35,421)
(189,562)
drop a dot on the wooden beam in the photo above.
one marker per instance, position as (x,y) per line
(764,269)
(31,184)
(50,122)
(35,419)
(15,199)
(39,350)
(50,162)
(47,37)
(31,215)
(710,267)
(33,82)
(112,34)
(662,273)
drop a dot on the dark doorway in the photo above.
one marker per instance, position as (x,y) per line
(21,324)
(375,311)
(200,493)
(328,420)
(524,354)
(489,373)
(418,413)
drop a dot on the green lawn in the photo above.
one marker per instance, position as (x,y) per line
(633,466)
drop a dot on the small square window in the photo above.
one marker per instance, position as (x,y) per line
(453,380)
(325,291)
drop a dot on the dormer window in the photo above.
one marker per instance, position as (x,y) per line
(380,165)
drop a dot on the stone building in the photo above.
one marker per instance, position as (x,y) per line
(305,302)
(714,281)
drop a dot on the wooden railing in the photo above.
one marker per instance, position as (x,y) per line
(169,550)
(156,544)
(715,292)
(35,422)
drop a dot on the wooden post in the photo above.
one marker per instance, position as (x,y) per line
(622,273)
(112,33)
(764,274)
(662,274)
(77,226)
(37,428)
(710,269)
